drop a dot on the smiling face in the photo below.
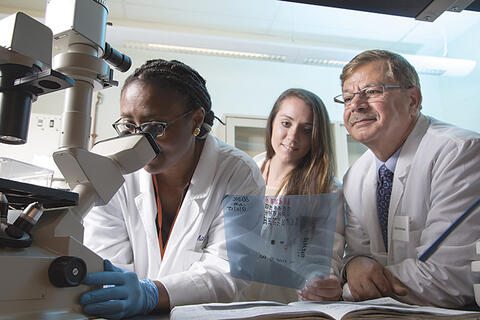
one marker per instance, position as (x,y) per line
(382,125)
(292,130)
(141,102)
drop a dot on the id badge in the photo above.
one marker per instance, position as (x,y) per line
(401,228)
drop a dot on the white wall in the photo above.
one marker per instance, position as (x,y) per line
(236,85)
(247,87)
(460,103)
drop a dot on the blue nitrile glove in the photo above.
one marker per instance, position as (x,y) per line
(126,296)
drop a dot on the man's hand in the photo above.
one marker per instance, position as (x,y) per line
(321,289)
(368,279)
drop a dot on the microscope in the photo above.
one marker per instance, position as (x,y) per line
(42,258)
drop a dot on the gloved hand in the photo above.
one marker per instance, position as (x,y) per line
(125,295)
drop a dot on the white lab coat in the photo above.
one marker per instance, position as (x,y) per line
(194,268)
(437,177)
(262,291)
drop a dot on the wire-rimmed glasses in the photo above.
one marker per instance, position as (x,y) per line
(371,93)
(123,127)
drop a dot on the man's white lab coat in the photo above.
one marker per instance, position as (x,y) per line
(437,177)
(194,268)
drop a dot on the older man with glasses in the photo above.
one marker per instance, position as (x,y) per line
(417,177)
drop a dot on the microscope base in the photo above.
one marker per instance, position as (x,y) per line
(27,292)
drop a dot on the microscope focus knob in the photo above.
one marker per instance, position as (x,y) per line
(66,271)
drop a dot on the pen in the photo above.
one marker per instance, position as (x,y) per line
(431,250)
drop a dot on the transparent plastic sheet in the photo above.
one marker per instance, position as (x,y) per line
(282,240)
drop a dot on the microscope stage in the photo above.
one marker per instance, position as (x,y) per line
(20,194)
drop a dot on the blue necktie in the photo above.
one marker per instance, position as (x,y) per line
(384,190)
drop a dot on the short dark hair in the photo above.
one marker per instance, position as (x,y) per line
(181,78)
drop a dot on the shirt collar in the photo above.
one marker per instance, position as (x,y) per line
(391,162)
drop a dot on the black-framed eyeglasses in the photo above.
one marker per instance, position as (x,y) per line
(370,93)
(123,127)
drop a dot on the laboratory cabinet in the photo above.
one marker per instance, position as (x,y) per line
(248,134)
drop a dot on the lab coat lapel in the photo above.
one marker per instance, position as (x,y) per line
(205,171)
(399,177)
(198,191)
(369,198)
(402,169)
(147,208)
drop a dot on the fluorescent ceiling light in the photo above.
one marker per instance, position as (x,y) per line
(205,51)
(294,53)
(441,65)
(435,66)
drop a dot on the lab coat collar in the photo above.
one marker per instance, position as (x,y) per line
(147,209)
(202,177)
(199,189)
(402,168)
(409,149)
(144,200)
(205,171)
(369,199)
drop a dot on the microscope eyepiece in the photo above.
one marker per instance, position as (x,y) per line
(118,60)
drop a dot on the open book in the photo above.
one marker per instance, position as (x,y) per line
(383,308)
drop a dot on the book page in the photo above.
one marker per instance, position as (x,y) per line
(244,310)
(341,310)
(337,310)
(379,308)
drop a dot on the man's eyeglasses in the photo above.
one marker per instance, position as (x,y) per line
(123,127)
(370,93)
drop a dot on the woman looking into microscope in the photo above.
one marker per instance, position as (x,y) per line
(165,224)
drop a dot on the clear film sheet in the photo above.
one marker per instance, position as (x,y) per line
(280,240)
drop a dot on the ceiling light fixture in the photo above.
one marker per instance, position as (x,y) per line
(205,51)
(312,55)
(435,66)
(441,65)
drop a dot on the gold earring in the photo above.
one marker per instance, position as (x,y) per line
(196,132)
